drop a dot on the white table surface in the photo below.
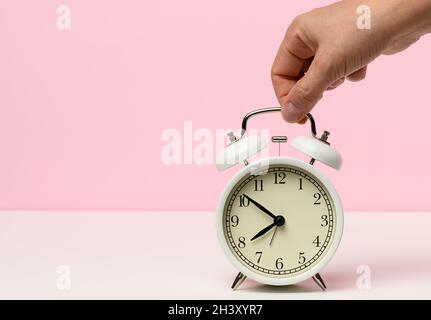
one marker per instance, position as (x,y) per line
(175,255)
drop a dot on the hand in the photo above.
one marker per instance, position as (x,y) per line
(278,222)
(263,231)
(273,235)
(261,207)
(324,46)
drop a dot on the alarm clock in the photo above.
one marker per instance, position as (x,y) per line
(279,219)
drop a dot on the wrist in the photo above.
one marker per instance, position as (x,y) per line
(406,17)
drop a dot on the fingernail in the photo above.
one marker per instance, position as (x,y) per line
(293,113)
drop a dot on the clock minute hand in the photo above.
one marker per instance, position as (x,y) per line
(263,231)
(260,207)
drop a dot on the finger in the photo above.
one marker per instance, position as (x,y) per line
(358,75)
(307,64)
(335,84)
(307,91)
(292,59)
(303,120)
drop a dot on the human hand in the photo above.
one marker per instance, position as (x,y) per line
(324,46)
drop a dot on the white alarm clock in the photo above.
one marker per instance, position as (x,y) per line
(279,219)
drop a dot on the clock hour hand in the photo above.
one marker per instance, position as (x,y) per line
(260,206)
(263,231)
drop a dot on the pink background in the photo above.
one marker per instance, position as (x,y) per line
(82,111)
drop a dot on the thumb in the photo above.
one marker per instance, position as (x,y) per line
(308,90)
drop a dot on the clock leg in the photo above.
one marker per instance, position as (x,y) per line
(319,281)
(238,281)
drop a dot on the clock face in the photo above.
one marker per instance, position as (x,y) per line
(280,224)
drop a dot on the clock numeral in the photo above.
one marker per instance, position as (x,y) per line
(301,259)
(325,221)
(259,253)
(258,185)
(279,178)
(241,242)
(279,263)
(243,201)
(317,196)
(317,242)
(234,221)
(300,184)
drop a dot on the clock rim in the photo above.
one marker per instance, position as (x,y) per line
(330,250)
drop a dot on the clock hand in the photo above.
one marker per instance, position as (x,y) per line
(263,231)
(260,207)
(278,222)
(273,235)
